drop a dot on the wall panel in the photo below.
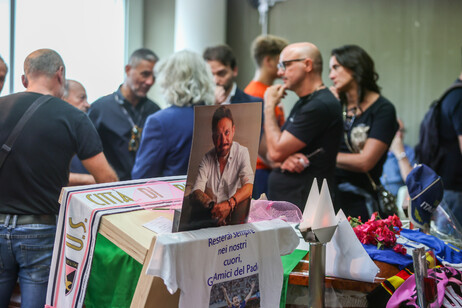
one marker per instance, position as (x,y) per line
(416,44)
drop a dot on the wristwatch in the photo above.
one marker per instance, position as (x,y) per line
(230,201)
(401,156)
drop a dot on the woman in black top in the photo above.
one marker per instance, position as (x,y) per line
(369,127)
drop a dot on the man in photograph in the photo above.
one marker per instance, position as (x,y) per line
(225,177)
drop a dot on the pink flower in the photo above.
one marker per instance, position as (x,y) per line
(400,249)
(377,231)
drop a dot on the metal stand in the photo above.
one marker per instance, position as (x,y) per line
(317,270)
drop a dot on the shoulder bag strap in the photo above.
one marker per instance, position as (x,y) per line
(7,146)
(455,85)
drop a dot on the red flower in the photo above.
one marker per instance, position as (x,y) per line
(380,232)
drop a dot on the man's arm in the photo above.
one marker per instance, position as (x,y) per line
(228,301)
(364,161)
(250,292)
(76,179)
(263,153)
(99,167)
(404,165)
(198,189)
(280,145)
(202,198)
(295,163)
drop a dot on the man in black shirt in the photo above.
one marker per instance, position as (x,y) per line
(119,117)
(34,172)
(315,122)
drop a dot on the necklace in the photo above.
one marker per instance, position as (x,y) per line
(320,87)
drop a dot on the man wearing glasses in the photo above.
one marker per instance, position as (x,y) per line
(119,117)
(314,125)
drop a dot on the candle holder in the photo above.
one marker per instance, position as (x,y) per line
(317,239)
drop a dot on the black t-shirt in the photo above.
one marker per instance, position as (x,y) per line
(450,169)
(110,115)
(316,120)
(379,122)
(38,165)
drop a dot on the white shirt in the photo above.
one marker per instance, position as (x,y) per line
(190,260)
(237,173)
(227,101)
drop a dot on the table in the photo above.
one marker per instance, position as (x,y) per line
(126,231)
(297,295)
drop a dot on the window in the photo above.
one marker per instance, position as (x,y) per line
(88,34)
(5,40)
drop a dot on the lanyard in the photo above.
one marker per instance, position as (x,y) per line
(139,114)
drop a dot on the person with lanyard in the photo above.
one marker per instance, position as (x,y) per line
(119,117)
(369,127)
(314,126)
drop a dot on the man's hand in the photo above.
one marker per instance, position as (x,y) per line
(273,96)
(220,211)
(220,95)
(295,163)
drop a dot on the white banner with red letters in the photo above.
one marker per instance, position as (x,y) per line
(77,228)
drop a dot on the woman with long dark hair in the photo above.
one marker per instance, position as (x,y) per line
(369,127)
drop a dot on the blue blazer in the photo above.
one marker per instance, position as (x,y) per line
(242,97)
(165,143)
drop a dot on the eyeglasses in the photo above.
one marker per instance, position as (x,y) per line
(283,64)
(134,141)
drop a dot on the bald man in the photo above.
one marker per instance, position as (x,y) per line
(3,72)
(75,94)
(34,172)
(315,122)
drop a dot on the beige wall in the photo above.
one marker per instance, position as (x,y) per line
(416,44)
(159,30)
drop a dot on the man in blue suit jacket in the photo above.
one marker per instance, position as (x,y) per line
(223,64)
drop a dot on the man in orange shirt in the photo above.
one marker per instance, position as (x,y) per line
(265,51)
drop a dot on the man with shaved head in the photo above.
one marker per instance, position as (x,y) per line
(34,172)
(75,94)
(315,122)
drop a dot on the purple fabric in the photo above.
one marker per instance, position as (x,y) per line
(448,282)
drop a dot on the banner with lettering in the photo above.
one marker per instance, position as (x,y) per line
(77,228)
(230,266)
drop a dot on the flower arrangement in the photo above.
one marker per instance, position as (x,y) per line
(377,231)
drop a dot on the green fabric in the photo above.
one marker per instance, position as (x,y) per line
(288,263)
(113,278)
